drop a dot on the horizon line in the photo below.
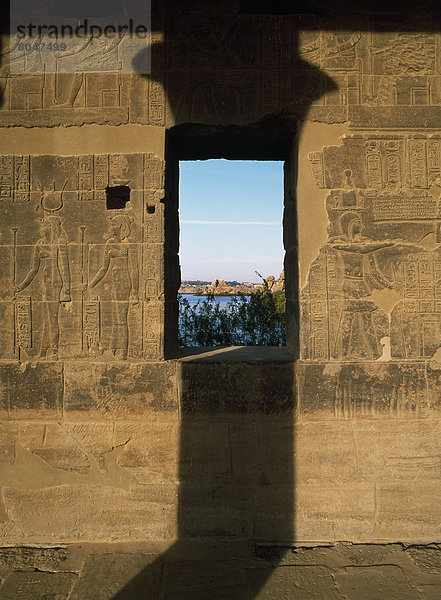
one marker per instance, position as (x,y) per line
(199,222)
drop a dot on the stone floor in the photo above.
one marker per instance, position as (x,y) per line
(220,570)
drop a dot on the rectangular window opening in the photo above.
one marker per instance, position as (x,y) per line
(231,253)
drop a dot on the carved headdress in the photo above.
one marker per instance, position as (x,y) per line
(51,200)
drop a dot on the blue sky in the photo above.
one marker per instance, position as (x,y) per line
(231,219)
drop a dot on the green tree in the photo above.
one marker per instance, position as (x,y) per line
(257,320)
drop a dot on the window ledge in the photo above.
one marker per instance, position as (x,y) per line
(236,354)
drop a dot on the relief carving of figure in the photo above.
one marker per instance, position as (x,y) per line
(94,54)
(51,259)
(356,335)
(331,51)
(408,53)
(119,267)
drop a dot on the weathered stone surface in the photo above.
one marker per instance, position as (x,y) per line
(206,453)
(247,388)
(87,294)
(434,383)
(94,439)
(55,446)
(28,558)
(390,582)
(197,579)
(37,586)
(216,510)
(30,390)
(430,591)
(324,451)
(427,558)
(412,451)
(120,390)
(409,510)
(8,438)
(94,512)
(333,512)
(364,390)
(224,569)
(371,554)
(106,575)
(149,451)
(308,583)
(80,284)
(262,449)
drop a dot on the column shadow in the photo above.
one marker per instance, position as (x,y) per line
(236,473)
(236,479)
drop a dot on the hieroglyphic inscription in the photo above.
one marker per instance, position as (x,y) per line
(316,163)
(156,103)
(6,177)
(418,163)
(118,170)
(153,172)
(24,322)
(95,173)
(15,178)
(153,269)
(402,161)
(101,176)
(318,310)
(154,208)
(419,278)
(85,177)
(91,325)
(393,170)
(434,159)
(373,164)
(154,218)
(22,178)
(405,208)
(152,316)
(417,320)
(57,262)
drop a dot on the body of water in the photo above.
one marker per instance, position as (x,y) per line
(221,300)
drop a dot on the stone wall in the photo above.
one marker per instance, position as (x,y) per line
(130,470)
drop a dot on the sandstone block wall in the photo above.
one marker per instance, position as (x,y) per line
(127,467)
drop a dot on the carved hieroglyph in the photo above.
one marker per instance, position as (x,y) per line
(235,69)
(83,279)
(374,290)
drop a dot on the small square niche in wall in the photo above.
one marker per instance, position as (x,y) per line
(117,197)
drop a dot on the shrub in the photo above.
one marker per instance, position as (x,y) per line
(256,320)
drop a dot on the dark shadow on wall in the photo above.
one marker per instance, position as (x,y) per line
(228,71)
(4,33)
(236,89)
(236,476)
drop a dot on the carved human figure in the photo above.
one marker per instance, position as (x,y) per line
(51,259)
(356,336)
(120,265)
(408,52)
(12,60)
(331,51)
(94,54)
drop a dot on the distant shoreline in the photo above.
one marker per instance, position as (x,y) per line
(222,288)
(217,295)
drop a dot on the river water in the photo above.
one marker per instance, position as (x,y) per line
(221,300)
